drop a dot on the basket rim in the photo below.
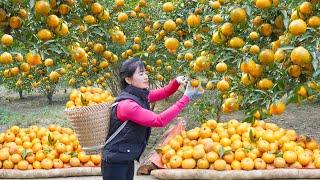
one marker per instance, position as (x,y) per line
(88,108)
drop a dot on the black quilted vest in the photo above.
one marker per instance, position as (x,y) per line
(130,143)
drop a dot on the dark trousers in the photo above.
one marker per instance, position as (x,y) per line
(117,171)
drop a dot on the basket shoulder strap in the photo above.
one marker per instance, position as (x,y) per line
(118,130)
(114,104)
(116,133)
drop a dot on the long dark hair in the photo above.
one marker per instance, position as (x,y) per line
(128,68)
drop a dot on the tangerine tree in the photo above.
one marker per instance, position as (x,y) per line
(252,55)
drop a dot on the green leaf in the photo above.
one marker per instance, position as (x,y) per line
(287,48)
(158,150)
(51,140)
(227,152)
(47,150)
(248,9)
(74,154)
(316,59)
(31,3)
(272,152)
(248,149)
(252,137)
(221,152)
(280,154)
(309,90)
(248,119)
(83,100)
(24,154)
(293,97)
(99,33)
(316,74)
(49,42)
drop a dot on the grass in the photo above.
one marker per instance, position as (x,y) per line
(33,109)
(43,116)
(4,117)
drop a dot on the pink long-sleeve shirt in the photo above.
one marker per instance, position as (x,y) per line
(130,110)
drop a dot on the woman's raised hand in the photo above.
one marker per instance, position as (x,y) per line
(182,80)
(193,92)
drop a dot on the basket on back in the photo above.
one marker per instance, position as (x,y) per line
(91,125)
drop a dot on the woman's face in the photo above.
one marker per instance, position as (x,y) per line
(139,79)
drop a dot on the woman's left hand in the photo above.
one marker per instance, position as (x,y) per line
(182,80)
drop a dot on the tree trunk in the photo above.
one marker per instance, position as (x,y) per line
(219,109)
(218,115)
(20,94)
(49,97)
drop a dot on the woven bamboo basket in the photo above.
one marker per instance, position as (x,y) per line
(91,125)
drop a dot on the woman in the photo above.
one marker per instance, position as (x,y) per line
(133,113)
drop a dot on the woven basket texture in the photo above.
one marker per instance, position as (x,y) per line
(91,125)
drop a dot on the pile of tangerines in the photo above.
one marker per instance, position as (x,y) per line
(88,96)
(234,145)
(42,148)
